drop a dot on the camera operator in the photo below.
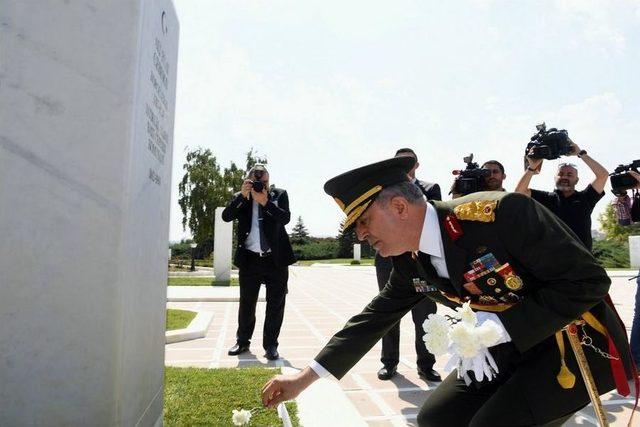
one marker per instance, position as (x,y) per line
(472,179)
(390,356)
(497,177)
(263,255)
(573,207)
(622,206)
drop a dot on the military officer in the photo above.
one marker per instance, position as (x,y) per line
(515,263)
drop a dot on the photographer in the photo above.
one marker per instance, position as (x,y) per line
(573,207)
(622,206)
(263,255)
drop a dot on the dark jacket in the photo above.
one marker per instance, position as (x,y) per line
(560,280)
(276,215)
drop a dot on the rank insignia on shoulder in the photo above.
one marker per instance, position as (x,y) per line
(481,210)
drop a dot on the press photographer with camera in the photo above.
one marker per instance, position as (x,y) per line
(571,206)
(263,255)
(494,181)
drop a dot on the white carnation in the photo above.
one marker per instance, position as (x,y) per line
(464,340)
(436,344)
(467,315)
(241,417)
(436,324)
(489,333)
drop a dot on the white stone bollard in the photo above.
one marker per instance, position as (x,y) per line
(222,248)
(86,143)
(356,252)
(634,251)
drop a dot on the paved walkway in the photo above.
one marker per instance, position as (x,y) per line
(320,301)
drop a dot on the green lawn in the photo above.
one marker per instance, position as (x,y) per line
(179,319)
(363,261)
(198,281)
(206,397)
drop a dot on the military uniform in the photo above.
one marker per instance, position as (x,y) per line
(506,254)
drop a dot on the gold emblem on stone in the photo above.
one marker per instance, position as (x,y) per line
(481,210)
(513,282)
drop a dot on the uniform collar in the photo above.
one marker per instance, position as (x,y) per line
(430,238)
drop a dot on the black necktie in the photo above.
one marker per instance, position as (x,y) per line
(264,245)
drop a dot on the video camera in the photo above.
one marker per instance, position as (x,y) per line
(548,144)
(471,179)
(621,180)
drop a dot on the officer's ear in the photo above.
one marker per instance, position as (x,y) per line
(399,206)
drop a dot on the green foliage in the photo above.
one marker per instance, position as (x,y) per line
(206,397)
(199,281)
(611,253)
(316,248)
(203,188)
(299,235)
(615,231)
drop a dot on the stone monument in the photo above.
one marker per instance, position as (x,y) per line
(222,248)
(87,93)
(634,251)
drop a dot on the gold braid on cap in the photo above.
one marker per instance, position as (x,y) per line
(355,214)
(361,199)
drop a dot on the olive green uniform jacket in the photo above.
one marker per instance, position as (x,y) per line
(560,281)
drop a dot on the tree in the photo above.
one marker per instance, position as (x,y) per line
(299,234)
(615,231)
(204,187)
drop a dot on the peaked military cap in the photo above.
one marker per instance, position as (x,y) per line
(354,191)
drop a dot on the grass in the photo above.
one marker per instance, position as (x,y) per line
(179,319)
(198,396)
(363,261)
(199,281)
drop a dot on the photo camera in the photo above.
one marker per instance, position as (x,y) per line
(257,184)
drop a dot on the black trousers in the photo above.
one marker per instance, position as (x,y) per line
(391,341)
(498,404)
(261,270)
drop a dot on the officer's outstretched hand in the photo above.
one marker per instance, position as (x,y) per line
(286,387)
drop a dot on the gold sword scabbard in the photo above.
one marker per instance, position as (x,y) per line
(572,333)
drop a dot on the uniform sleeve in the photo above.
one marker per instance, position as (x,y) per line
(363,330)
(563,279)
(591,196)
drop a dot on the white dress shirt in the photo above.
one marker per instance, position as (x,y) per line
(253,239)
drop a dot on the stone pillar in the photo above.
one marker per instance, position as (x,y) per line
(87,96)
(222,248)
(634,251)
(356,252)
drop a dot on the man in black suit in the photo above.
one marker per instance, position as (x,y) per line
(391,341)
(263,255)
(509,260)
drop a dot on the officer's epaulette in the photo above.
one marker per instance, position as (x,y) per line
(480,210)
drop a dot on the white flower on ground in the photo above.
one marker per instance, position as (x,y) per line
(241,417)
(464,340)
(467,315)
(489,333)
